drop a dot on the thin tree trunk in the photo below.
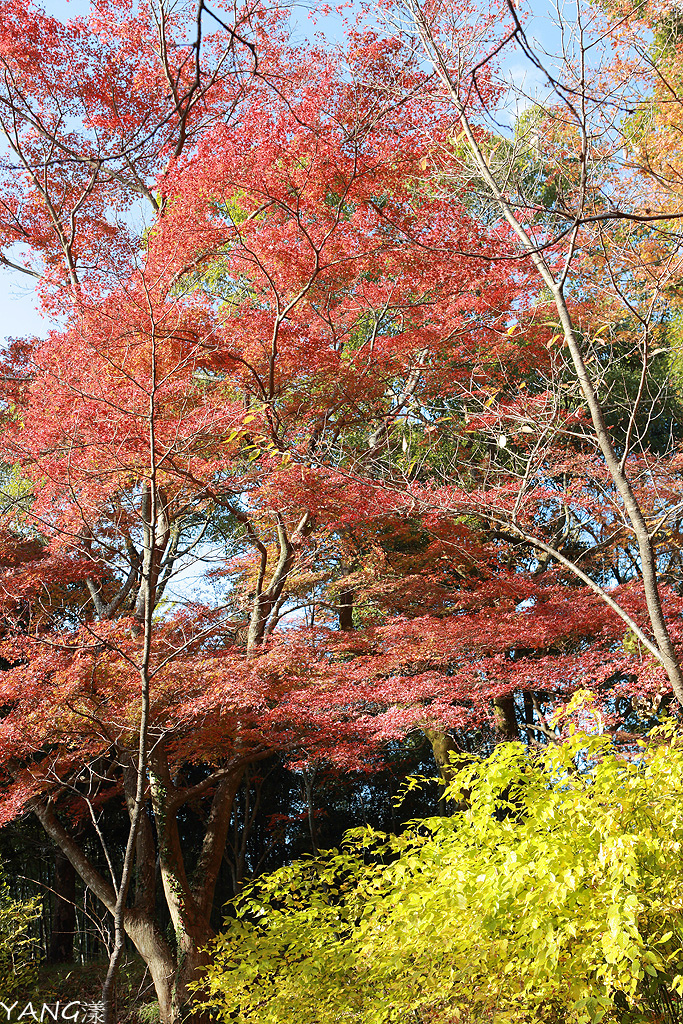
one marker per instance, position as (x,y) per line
(309,788)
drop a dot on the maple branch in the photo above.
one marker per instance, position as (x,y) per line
(182,796)
(205,874)
(109,610)
(171,556)
(17,266)
(266,600)
(56,831)
(376,439)
(144,612)
(517,533)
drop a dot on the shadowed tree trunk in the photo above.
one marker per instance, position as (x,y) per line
(61,947)
(445,751)
(346,610)
(506,717)
(189,894)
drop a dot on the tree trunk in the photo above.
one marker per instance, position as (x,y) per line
(140,925)
(172,974)
(61,949)
(346,610)
(529,715)
(155,951)
(506,717)
(189,901)
(192,961)
(443,746)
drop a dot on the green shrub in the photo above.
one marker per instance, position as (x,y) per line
(149,1013)
(19,957)
(557,896)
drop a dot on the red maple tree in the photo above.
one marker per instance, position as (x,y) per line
(278,307)
(300,378)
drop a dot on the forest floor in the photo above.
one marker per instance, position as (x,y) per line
(81,985)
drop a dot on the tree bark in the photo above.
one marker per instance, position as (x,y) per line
(266,598)
(189,900)
(506,717)
(61,948)
(443,746)
(140,926)
(346,610)
(157,954)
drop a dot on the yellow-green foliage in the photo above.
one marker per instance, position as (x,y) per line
(18,947)
(557,896)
